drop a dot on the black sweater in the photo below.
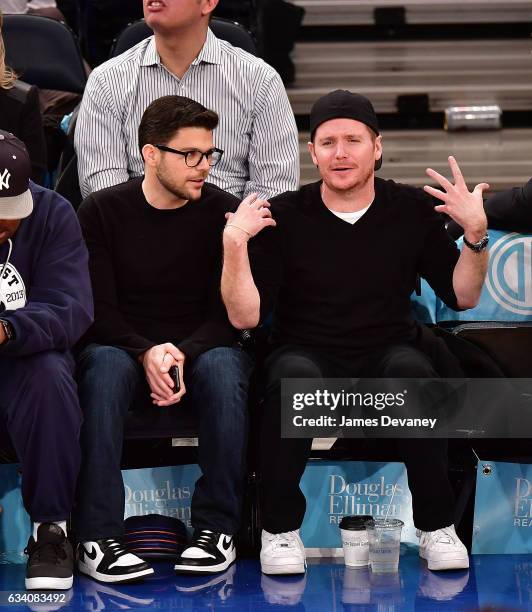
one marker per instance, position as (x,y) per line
(156,273)
(346,288)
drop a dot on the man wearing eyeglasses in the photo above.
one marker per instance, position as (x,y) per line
(155,260)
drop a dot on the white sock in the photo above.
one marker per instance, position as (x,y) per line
(36,526)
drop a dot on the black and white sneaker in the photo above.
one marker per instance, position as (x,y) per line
(208,552)
(107,561)
(51,559)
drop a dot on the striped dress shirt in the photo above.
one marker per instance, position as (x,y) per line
(257,129)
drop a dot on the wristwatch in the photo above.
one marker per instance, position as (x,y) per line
(479,246)
(8,330)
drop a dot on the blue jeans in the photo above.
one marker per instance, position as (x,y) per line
(110,383)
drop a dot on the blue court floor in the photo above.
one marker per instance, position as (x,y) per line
(493,583)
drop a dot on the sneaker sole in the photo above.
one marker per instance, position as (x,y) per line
(47,582)
(293,568)
(123,579)
(208,569)
(448,564)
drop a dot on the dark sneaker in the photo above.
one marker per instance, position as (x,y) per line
(107,561)
(51,559)
(208,552)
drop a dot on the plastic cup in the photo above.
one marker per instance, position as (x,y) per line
(355,540)
(384,539)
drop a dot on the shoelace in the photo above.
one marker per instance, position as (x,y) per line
(443,535)
(204,540)
(283,540)
(440,535)
(48,552)
(115,546)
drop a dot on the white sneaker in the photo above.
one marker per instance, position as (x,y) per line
(282,553)
(442,549)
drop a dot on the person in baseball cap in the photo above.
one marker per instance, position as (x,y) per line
(16,201)
(45,307)
(335,264)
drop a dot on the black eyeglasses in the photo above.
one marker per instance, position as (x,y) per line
(194,158)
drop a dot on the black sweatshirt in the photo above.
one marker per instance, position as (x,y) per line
(156,273)
(346,288)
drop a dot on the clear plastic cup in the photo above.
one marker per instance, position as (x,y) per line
(384,539)
(355,540)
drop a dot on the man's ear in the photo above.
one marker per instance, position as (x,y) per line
(150,154)
(208,6)
(312,152)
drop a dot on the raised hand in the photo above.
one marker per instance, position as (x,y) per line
(463,206)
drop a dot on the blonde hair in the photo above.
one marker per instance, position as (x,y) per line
(7,76)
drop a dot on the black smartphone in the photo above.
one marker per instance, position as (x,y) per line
(174,375)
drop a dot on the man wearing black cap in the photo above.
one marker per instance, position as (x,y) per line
(337,262)
(45,307)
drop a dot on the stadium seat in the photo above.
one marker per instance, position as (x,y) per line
(227,30)
(501,324)
(44,52)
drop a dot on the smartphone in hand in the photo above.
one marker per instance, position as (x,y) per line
(174,375)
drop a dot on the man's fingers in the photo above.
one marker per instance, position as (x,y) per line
(481,187)
(457,173)
(159,388)
(249,199)
(167,363)
(439,179)
(173,399)
(174,351)
(229,215)
(441,208)
(441,195)
(268,222)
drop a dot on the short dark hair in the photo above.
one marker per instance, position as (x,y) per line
(166,115)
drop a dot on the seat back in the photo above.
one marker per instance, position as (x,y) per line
(507,344)
(224,29)
(44,52)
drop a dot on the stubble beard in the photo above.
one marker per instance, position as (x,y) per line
(357,186)
(175,190)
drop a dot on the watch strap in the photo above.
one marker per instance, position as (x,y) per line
(477,246)
(8,330)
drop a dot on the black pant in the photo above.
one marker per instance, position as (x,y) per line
(283,460)
(39,402)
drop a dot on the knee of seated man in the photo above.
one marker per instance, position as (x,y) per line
(104,361)
(224,362)
(49,367)
(291,365)
(408,362)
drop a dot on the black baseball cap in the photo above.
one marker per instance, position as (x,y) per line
(16,201)
(342,104)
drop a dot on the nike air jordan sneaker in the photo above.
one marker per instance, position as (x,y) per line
(208,552)
(108,561)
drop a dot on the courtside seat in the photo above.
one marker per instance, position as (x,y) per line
(501,324)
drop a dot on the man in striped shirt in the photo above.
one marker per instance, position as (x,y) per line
(257,129)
